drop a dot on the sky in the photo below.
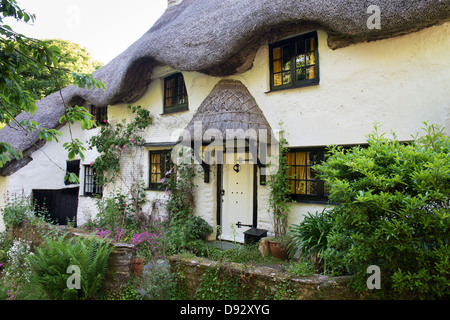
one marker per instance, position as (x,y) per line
(104,27)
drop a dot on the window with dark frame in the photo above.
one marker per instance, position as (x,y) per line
(294,62)
(160,164)
(100,114)
(303,183)
(91,187)
(175,94)
(72,167)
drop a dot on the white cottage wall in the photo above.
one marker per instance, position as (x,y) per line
(47,171)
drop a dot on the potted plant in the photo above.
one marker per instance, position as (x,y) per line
(279,204)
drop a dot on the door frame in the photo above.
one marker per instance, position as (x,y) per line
(219,196)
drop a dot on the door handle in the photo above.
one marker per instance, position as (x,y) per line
(222,192)
(240,224)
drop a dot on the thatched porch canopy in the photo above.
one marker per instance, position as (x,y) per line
(229,112)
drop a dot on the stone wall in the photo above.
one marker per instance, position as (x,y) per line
(264,280)
(119,263)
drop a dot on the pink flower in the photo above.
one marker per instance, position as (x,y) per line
(117,147)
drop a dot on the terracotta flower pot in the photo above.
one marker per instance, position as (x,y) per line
(137,266)
(278,251)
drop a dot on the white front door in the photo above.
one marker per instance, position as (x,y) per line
(237,201)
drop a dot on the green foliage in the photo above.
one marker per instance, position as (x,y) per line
(158,283)
(114,213)
(185,231)
(301,268)
(394,212)
(16,209)
(112,140)
(180,187)
(246,254)
(187,234)
(16,273)
(218,284)
(279,193)
(71,58)
(309,238)
(52,259)
(22,58)
(130,292)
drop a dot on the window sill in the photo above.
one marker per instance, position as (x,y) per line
(175,110)
(92,196)
(155,189)
(311,83)
(312,201)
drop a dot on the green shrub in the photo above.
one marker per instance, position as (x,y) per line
(52,259)
(394,213)
(158,283)
(309,239)
(184,233)
(15,210)
(198,228)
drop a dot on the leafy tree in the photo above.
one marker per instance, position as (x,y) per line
(394,213)
(18,54)
(71,58)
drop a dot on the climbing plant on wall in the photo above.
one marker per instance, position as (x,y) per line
(113,139)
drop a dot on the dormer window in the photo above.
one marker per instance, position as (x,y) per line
(99,114)
(294,62)
(175,94)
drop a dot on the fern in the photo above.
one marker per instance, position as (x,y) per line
(51,261)
(94,262)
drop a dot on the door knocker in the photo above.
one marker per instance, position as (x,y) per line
(236,168)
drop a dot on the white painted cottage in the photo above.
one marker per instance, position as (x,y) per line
(322,71)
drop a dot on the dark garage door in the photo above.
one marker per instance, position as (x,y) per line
(61,204)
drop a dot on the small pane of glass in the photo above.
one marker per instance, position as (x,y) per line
(286,64)
(300,61)
(286,77)
(301,173)
(300,47)
(312,187)
(301,74)
(301,187)
(310,44)
(287,51)
(277,66)
(276,53)
(277,79)
(310,72)
(310,59)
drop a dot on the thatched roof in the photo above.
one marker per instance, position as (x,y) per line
(229,112)
(221,38)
